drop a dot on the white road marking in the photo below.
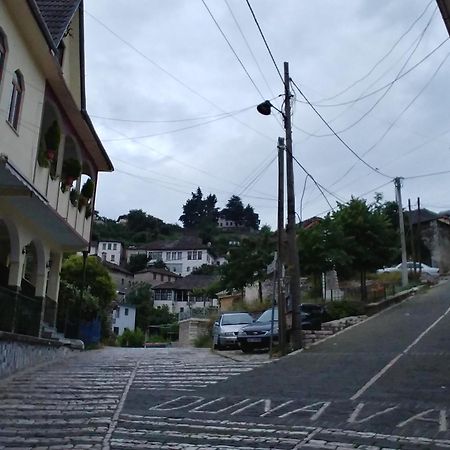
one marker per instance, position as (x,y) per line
(442,419)
(378,375)
(354,416)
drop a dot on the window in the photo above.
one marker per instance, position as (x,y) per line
(199,254)
(174,255)
(116,330)
(104,256)
(113,257)
(122,281)
(16,99)
(154,276)
(180,255)
(104,246)
(181,309)
(109,246)
(162,277)
(189,255)
(168,256)
(188,269)
(3,51)
(126,311)
(114,246)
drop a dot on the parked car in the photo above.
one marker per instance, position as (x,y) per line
(226,328)
(257,335)
(410,265)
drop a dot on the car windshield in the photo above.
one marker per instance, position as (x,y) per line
(236,319)
(266,316)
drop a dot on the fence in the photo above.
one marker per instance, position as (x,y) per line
(19,313)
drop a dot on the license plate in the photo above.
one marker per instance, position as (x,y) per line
(254,340)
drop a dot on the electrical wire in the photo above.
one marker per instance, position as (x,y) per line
(249,48)
(169,74)
(392,124)
(424,175)
(388,89)
(177,130)
(381,59)
(338,137)
(302,197)
(265,41)
(232,49)
(257,176)
(374,92)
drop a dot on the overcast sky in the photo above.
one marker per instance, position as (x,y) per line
(176,110)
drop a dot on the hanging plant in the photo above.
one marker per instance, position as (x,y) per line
(71,170)
(87,190)
(82,201)
(88,212)
(52,140)
(41,157)
(74,196)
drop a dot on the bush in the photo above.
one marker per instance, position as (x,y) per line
(203,341)
(344,308)
(130,338)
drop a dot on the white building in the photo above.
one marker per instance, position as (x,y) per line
(109,251)
(50,156)
(181,256)
(179,295)
(123,318)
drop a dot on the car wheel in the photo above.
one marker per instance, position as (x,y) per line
(246,348)
(218,345)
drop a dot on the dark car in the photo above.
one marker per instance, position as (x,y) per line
(257,335)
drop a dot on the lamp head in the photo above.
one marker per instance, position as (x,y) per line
(264,108)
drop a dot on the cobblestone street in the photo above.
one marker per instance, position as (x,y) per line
(382,384)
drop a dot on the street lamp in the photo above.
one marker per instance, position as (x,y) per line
(293,262)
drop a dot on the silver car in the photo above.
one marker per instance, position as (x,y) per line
(226,328)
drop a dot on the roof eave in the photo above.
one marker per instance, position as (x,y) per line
(444,6)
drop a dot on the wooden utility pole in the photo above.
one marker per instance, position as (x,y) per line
(293,264)
(419,233)
(280,256)
(411,233)
(398,196)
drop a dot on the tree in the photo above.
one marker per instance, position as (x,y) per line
(234,210)
(199,212)
(248,263)
(251,219)
(142,297)
(368,236)
(98,284)
(137,262)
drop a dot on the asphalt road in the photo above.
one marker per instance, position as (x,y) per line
(383,384)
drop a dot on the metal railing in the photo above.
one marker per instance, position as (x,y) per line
(19,313)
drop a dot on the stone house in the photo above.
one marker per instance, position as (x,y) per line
(434,232)
(155,276)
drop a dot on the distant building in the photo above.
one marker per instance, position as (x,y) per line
(123,318)
(181,256)
(155,276)
(123,279)
(179,296)
(109,251)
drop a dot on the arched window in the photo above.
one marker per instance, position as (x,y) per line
(3,51)
(16,99)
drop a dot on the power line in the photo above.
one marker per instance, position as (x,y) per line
(257,176)
(177,130)
(265,41)
(232,49)
(187,119)
(337,136)
(388,89)
(382,58)
(175,78)
(443,172)
(370,94)
(249,48)
(392,124)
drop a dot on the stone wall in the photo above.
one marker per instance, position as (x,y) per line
(330,328)
(190,329)
(18,352)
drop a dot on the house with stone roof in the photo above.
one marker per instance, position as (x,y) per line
(50,156)
(181,256)
(180,295)
(155,276)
